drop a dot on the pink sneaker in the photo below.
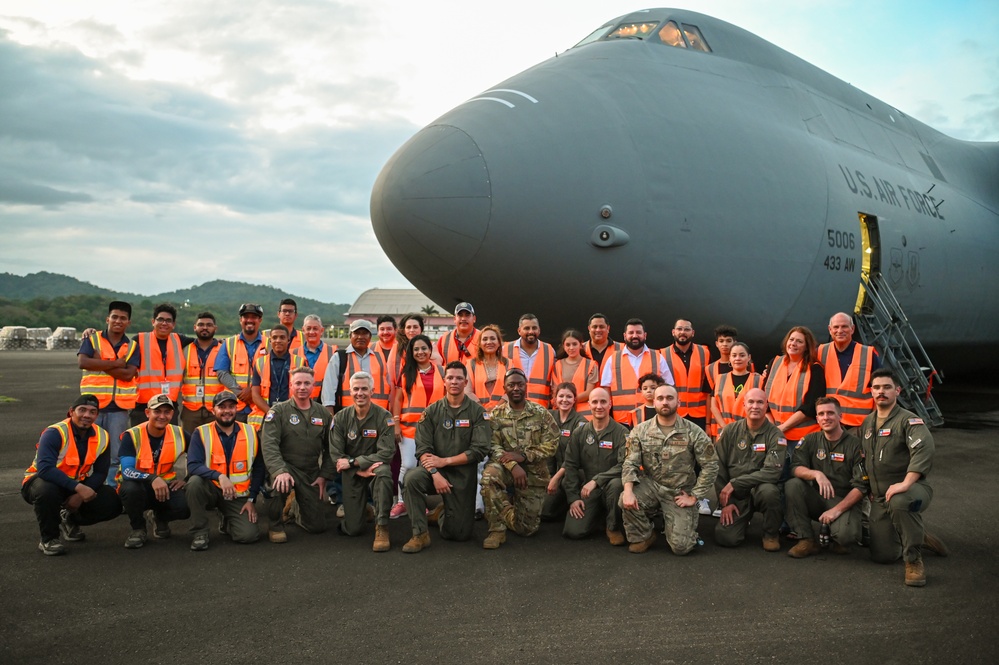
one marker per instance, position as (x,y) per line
(398,510)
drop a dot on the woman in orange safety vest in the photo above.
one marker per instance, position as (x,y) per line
(727,404)
(577,368)
(793,382)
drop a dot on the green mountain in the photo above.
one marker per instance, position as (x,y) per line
(51,285)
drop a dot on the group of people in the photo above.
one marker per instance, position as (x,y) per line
(596,434)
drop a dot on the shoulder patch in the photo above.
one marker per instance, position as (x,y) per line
(390,421)
(916,421)
(269,417)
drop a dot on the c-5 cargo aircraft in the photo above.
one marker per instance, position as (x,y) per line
(673,165)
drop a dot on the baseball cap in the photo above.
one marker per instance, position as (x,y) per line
(464,307)
(160,400)
(224,396)
(86,400)
(251,308)
(362,323)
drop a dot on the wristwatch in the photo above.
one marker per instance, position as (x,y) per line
(350,461)
(433,471)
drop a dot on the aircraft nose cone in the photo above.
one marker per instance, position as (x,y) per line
(431,204)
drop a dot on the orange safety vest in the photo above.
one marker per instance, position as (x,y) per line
(733,406)
(200,376)
(240,363)
(263,366)
(173,447)
(693,401)
(240,467)
(396,359)
(851,391)
(539,387)
(416,401)
(326,352)
(69,457)
(477,374)
(625,396)
(786,393)
(153,373)
(612,348)
(379,372)
(448,347)
(577,379)
(638,415)
(102,385)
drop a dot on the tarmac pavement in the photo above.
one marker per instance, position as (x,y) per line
(327,598)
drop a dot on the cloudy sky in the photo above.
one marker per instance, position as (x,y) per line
(150,145)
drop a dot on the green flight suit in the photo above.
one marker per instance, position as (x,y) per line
(753,464)
(555,505)
(842,462)
(596,456)
(367,440)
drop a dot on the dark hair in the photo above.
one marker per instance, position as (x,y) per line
(566,385)
(725,330)
(457,364)
(400,334)
(884,372)
(634,322)
(206,315)
(289,301)
(385,318)
(526,317)
(575,334)
(598,315)
(411,368)
(810,343)
(121,306)
(743,345)
(165,307)
(825,399)
(280,329)
(651,376)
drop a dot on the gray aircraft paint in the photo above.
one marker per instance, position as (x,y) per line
(733,178)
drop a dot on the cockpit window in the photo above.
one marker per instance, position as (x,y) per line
(599,33)
(695,38)
(670,35)
(633,30)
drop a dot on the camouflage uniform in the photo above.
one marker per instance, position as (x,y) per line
(752,462)
(660,467)
(533,432)
(842,462)
(900,444)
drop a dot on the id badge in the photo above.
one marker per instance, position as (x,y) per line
(199,392)
(165,387)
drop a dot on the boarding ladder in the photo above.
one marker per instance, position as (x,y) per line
(883,325)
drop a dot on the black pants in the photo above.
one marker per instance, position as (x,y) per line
(48,499)
(137,496)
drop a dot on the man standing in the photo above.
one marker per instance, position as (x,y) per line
(524,436)
(387,329)
(621,371)
(110,364)
(658,475)
(316,352)
(600,342)
(149,480)
(67,476)
(287,315)
(751,455)
(828,484)
(225,473)
(452,437)
(592,466)
(687,362)
(234,362)
(200,383)
(362,443)
(161,368)
(357,357)
(463,342)
(898,449)
(848,372)
(270,376)
(294,442)
(535,357)
(725,337)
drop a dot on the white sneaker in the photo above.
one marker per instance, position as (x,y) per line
(717,513)
(703,506)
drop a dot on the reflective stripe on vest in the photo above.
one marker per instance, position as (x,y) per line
(69,457)
(609,351)
(173,447)
(785,395)
(381,388)
(102,385)
(326,352)
(153,373)
(263,366)
(539,389)
(239,469)
(733,406)
(240,363)
(625,396)
(416,401)
(577,379)
(852,391)
(487,398)
(692,400)
(448,347)
(197,375)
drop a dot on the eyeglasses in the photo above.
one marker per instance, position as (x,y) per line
(162,320)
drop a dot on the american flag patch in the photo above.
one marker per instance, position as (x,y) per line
(916,421)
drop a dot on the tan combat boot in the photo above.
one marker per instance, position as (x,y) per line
(805,548)
(494,540)
(934,544)
(382,543)
(434,516)
(915,574)
(417,543)
(615,538)
(771,543)
(641,546)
